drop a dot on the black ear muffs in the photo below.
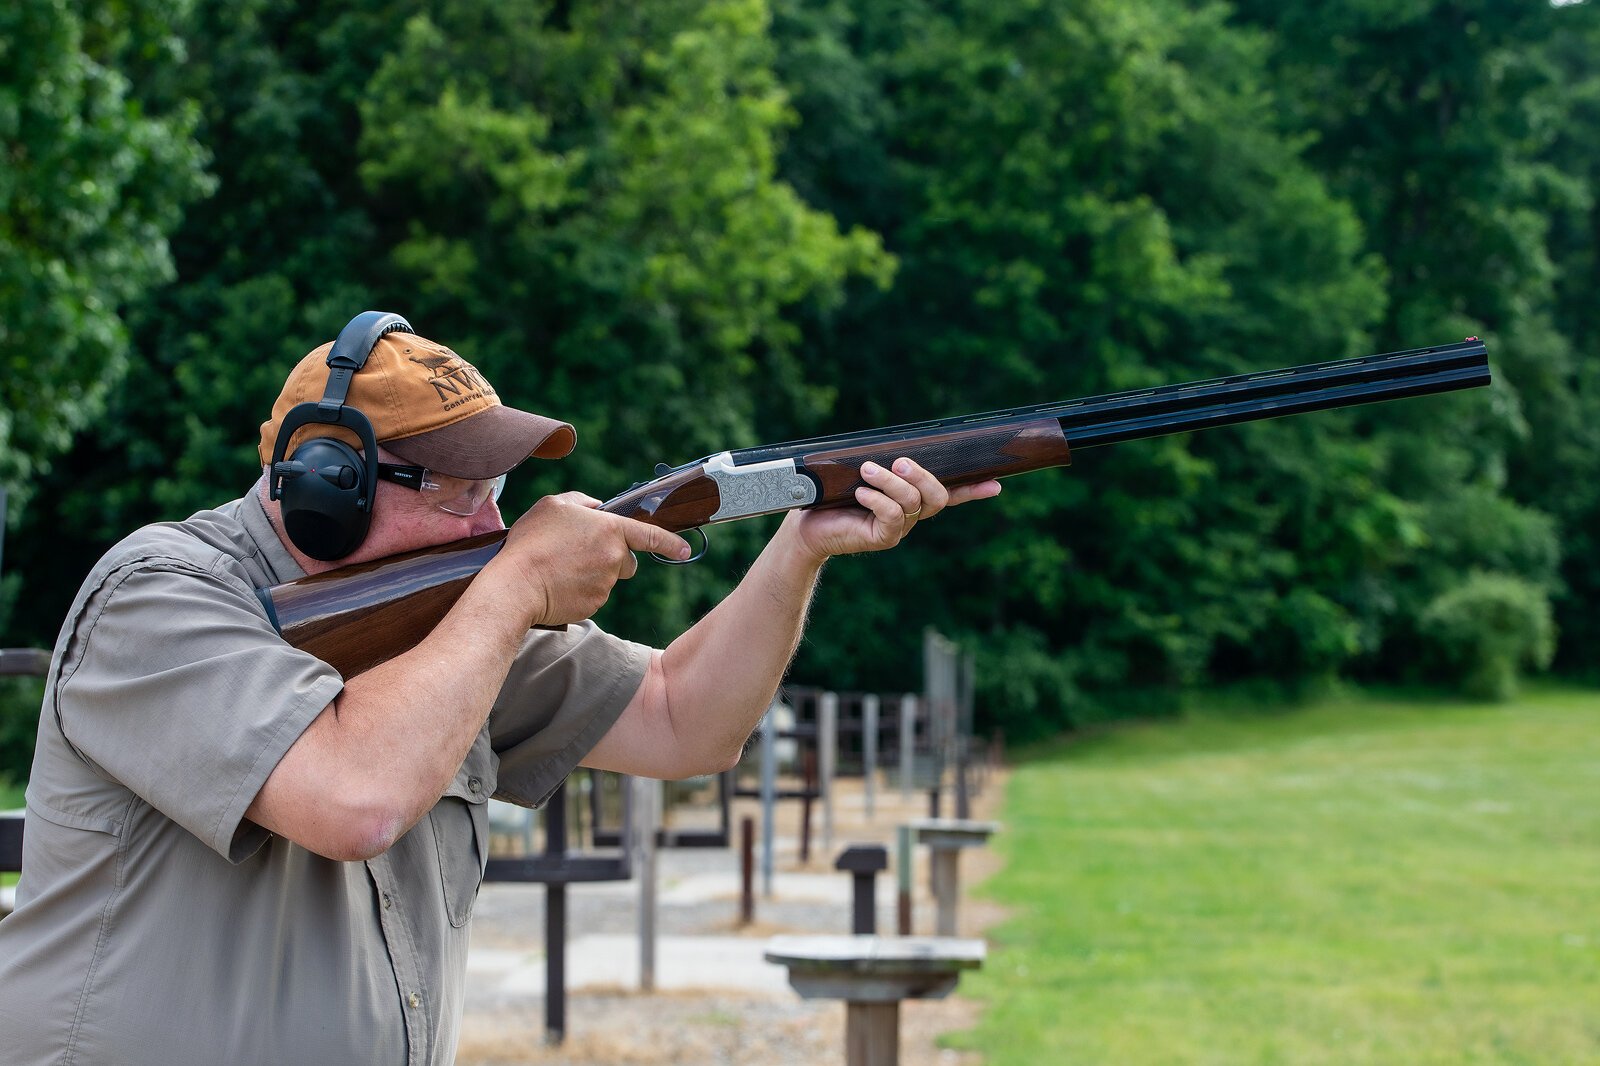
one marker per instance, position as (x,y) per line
(324,497)
(325,489)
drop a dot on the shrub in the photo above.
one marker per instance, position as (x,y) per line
(1321,637)
(1485,630)
(1023,689)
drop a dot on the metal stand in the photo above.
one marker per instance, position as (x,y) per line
(873,975)
(863,862)
(945,838)
(556,868)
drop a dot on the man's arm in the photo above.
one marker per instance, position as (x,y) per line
(707,691)
(380,755)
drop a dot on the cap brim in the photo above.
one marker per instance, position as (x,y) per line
(488,444)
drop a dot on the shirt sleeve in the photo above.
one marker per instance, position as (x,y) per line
(565,690)
(182,691)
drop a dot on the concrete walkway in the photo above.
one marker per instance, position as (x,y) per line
(611,961)
(698,947)
(718,1000)
(700,943)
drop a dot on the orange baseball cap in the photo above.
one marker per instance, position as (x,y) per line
(427,405)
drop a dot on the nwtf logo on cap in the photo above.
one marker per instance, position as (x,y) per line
(454,380)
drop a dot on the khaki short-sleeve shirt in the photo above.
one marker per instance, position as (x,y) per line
(154,923)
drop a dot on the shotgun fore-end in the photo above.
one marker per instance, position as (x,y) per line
(956,457)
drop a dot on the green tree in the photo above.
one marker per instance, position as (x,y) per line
(583,201)
(612,227)
(94,180)
(1440,120)
(1087,198)
(1559,466)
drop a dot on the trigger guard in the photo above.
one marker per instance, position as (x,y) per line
(705,542)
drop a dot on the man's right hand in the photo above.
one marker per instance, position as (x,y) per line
(569,555)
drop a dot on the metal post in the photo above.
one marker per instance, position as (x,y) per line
(869,750)
(747,872)
(908,741)
(948,662)
(555,923)
(769,798)
(809,788)
(963,733)
(725,786)
(648,810)
(902,869)
(827,744)
(933,695)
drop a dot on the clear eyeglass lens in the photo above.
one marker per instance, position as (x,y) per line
(461,496)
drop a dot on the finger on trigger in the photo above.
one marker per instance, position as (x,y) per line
(647,538)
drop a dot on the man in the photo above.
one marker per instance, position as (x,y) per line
(234,855)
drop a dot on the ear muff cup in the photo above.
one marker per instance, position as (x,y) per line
(323,509)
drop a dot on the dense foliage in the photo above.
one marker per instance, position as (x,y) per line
(687,226)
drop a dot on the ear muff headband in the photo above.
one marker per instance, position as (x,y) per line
(326,488)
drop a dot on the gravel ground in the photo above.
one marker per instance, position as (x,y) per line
(714,1029)
(714,1026)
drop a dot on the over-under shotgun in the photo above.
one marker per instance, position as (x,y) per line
(358,616)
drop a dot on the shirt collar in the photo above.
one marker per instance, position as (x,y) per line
(268,543)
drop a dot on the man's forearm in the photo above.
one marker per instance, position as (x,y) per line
(721,674)
(701,697)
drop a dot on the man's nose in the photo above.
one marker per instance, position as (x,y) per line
(488,518)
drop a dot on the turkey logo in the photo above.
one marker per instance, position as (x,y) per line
(455,380)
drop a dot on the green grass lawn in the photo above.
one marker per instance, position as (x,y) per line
(1358,881)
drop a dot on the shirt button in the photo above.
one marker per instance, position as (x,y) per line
(388,901)
(474,785)
(415,1000)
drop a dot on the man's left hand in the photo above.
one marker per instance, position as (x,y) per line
(893,501)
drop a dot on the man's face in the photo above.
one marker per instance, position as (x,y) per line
(404,520)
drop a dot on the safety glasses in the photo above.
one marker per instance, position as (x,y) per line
(453,495)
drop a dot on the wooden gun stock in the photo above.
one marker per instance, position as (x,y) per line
(358,616)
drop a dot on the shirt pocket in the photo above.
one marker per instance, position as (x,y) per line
(460,823)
